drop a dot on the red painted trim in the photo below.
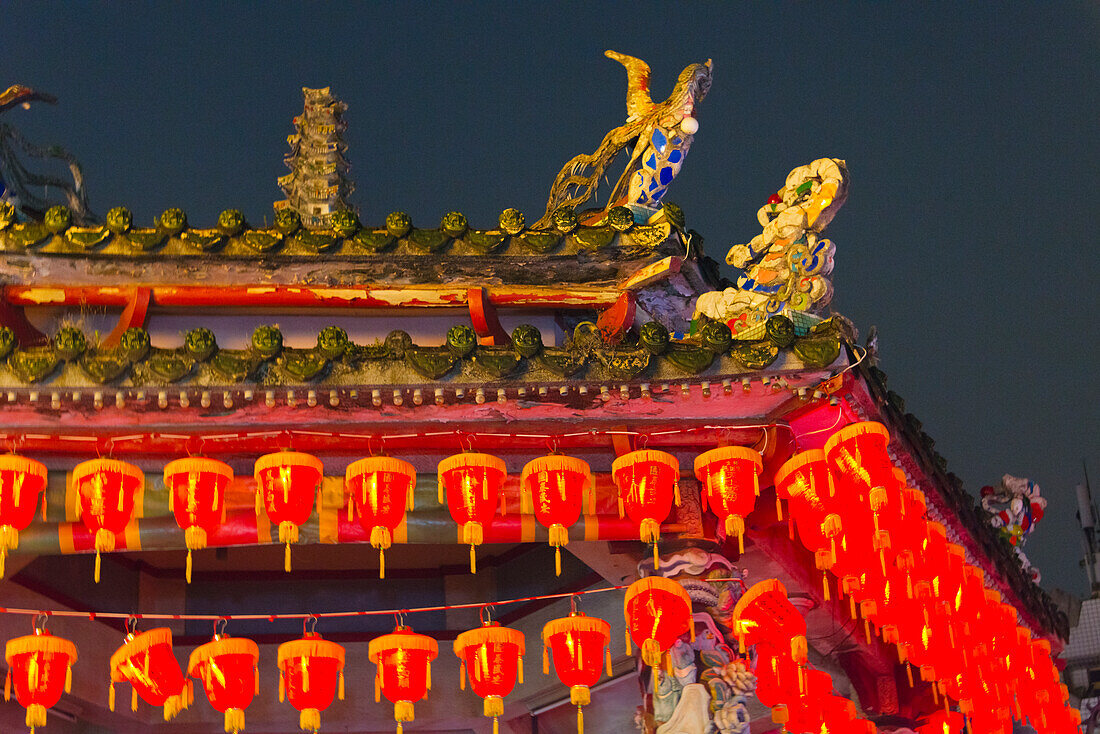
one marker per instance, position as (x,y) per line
(615,321)
(484,317)
(136,313)
(282,296)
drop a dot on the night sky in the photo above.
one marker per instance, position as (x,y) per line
(970,131)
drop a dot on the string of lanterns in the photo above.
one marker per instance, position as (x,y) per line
(379,492)
(311,669)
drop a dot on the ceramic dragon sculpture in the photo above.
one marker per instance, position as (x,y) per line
(709,687)
(661,134)
(1013,508)
(785,267)
(20,185)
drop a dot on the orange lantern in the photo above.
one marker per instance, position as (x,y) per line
(196,496)
(21,481)
(106,491)
(579,646)
(493,658)
(40,666)
(404,659)
(731,484)
(311,675)
(554,487)
(145,660)
(765,614)
(648,483)
(658,612)
(470,484)
(226,666)
(286,483)
(382,489)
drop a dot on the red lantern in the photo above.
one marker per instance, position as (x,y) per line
(226,666)
(648,484)
(404,659)
(579,646)
(196,496)
(106,489)
(471,485)
(765,614)
(555,486)
(805,482)
(147,663)
(658,612)
(382,488)
(286,483)
(857,455)
(40,666)
(942,722)
(311,674)
(21,481)
(731,484)
(493,658)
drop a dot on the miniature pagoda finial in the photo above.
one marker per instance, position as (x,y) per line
(661,134)
(20,186)
(318,184)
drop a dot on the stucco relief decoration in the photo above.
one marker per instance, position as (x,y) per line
(708,689)
(785,268)
(1013,508)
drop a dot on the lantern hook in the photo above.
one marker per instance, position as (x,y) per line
(219,626)
(309,625)
(467,441)
(399,618)
(573,611)
(485,614)
(643,441)
(39,623)
(552,444)
(131,625)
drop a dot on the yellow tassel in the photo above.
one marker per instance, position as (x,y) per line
(656,557)
(171,498)
(545,662)
(473,559)
(7,686)
(735,525)
(309,720)
(120,497)
(351,508)
(133,699)
(234,720)
(381,563)
(282,686)
(691,629)
(36,716)
(462,675)
(867,630)
(403,711)
(187,573)
(400,730)
(69,679)
(557,562)
(255,681)
(580,720)
(97,565)
(378,687)
(825,585)
(442,492)
(409,497)
(259,499)
(778,508)
(519,670)
(607,660)
(909,674)
(44,506)
(629,647)
(676,493)
(4,558)
(286,559)
(340,691)
(428,676)
(111,697)
(496,726)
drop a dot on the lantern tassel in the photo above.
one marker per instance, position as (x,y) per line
(651,653)
(133,699)
(187,571)
(4,558)
(629,648)
(557,562)
(340,687)
(309,720)
(778,508)
(36,716)
(111,697)
(104,543)
(282,686)
(735,525)
(234,720)
(402,711)
(462,676)
(493,706)
(519,670)
(288,533)
(545,663)
(825,585)
(676,493)
(7,686)
(607,660)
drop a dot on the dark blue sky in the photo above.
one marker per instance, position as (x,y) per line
(970,132)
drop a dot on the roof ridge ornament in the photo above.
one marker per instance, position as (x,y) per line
(661,134)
